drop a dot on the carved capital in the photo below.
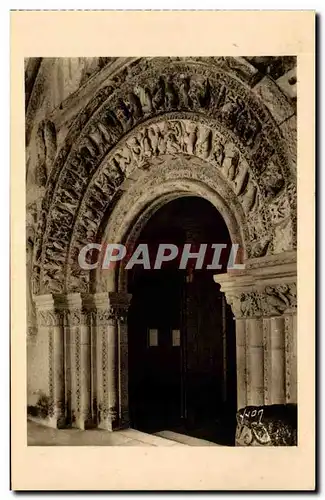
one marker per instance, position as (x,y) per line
(271,300)
(119,305)
(245,304)
(279,299)
(73,317)
(112,314)
(118,313)
(50,317)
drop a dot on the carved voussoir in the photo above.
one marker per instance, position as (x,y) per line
(155,107)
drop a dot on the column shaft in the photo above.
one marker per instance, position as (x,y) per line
(123,374)
(50,326)
(267,361)
(56,375)
(255,359)
(112,373)
(290,321)
(241,363)
(85,377)
(278,360)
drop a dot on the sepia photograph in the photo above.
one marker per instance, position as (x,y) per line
(161,251)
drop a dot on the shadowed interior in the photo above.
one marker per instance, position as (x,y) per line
(191,386)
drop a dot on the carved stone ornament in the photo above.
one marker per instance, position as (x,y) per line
(46,146)
(158,107)
(274,300)
(50,318)
(279,299)
(272,425)
(73,317)
(106,316)
(118,314)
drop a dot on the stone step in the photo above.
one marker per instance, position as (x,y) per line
(150,439)
(43,435)
(184,439)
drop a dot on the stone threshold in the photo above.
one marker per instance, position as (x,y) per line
(185,439)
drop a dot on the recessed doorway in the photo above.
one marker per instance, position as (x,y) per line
(181,332)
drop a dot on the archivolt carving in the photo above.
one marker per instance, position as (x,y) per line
(46,146)
(210,114)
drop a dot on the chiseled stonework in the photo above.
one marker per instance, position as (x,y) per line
(210,108)
(102,155)
(274,300)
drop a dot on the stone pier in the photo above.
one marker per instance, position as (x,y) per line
(84,386)
(263,299)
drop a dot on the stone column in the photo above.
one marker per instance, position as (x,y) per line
(277,354)
(279,303)
(241,363)
(112,382)
(64,324)
(78,360)
(263,300)
(50,329)
(249,347)
(280,363)
(290,326)
(255,362)
(123,363)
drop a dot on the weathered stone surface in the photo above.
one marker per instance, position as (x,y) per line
(103,154)
(274,425)
(277,102)
(208,114)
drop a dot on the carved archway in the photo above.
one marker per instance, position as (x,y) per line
(161,128)
(170,178)
(164,106)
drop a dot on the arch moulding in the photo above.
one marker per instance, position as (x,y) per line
(168,128)
(165,106)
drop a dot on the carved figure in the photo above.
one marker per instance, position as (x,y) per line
(171,97)
(145,99)
(158,99)
(184,88)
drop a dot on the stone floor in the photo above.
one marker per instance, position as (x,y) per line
(39,435)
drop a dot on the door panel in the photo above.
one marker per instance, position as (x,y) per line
(155,370)
(191,382)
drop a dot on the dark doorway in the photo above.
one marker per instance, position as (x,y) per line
(182,371)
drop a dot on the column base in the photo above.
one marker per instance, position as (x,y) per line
(109,423)
(113,423)
(83,423)
(79,423)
